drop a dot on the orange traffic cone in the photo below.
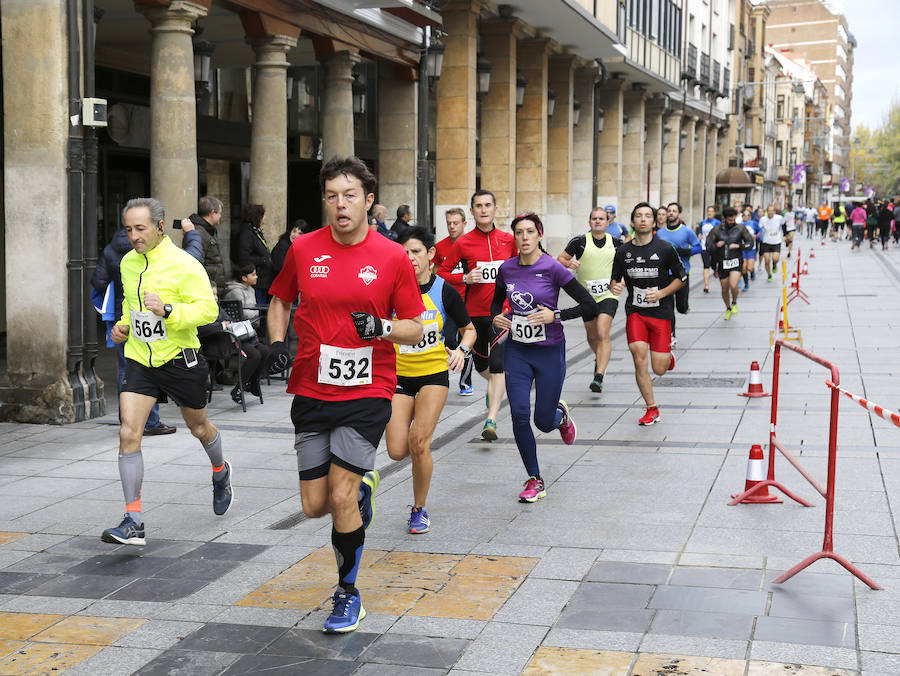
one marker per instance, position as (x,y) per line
(805,269)
(755,388)
(756,473)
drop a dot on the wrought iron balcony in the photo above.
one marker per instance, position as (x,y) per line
(704,70)
(716,70)
(726,82)
(689,72)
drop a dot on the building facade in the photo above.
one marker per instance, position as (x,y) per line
(554,105)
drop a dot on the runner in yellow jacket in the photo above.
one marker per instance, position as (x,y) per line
(167,295)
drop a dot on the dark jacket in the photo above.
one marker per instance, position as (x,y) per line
(736,234)
(400,228)
(214,342)
(253,248)
(107,269)
(279,253)
(211,254)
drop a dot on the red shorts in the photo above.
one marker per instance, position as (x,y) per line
(656,332)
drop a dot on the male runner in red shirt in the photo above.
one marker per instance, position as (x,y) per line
(456,227)
(357,295)
(481,252)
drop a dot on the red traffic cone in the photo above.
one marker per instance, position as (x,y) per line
(781,325)
(822,242)
(812,253)
(756,473)
(805,269)
(755,388)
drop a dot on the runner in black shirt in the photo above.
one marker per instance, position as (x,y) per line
(653,272)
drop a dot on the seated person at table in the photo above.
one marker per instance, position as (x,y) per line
(217,344)
(241,288)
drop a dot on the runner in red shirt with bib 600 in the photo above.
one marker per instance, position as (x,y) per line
(358,294)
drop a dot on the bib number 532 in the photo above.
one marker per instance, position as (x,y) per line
(147,327)
(345,367)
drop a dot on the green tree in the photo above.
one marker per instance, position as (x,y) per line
(875,153)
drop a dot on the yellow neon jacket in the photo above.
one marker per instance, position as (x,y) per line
(178,279)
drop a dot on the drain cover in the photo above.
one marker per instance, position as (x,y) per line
(698,382)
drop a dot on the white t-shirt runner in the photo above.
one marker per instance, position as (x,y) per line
(771,229)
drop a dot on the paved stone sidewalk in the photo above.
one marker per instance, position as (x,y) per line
(633,564)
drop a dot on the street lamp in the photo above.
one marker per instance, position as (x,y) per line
(434,59)
(576,112)
(359,95)
(625,126)
(667,135)
(600,115)
(521,84)
(203,51)
(683,140)
(551,102)
(483,68)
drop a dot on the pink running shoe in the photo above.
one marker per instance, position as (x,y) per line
(651,415)
(534,490)
(567,429)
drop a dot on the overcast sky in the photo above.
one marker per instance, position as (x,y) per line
(875,60)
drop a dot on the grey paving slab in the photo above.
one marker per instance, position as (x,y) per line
(636,573)
(286,665)
(199,662)
(158,634)
(816,632)
(114,660)
(692,645)
(502,648)
(709,599)
(236,638)
(416,651)
(702,624)
(591,639)
(438,626)
(824,656)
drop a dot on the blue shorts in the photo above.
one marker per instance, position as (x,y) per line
(749,254)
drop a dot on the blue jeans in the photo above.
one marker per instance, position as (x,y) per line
(545,367)
(153,418)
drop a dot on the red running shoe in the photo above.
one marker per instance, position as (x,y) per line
(651,416)
(672,362)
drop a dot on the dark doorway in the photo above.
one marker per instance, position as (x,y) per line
(304,196)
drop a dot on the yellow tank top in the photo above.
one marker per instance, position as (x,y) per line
(429,355)
(596,267)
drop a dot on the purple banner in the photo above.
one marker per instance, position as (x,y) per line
(870,192)
(845,185)
(799,174)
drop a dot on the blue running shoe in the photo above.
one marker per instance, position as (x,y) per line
(346,613)
(223,493)
(367,488)
(465,390)
(418,521)
(126,533)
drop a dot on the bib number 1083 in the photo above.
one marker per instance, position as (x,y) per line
(345,367)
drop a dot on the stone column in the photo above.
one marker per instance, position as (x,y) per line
(717,163)
(397,136)
(268,133)
(700,161)
(35,127)
(634,169)
(456,103)
(218,184)
(583,149)
(531,128)
(173,115)
(337,106)
(653,148)
(498,115)
(560,148)
(670,157)
(686,165)
(609,160)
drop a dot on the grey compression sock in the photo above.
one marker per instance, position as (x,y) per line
(131,472)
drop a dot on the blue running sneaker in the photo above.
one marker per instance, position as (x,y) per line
(418,521)
(346,613)
(465,390)
(126,533)
(223,493)
(367,488)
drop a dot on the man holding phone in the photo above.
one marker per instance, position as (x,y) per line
(166,297)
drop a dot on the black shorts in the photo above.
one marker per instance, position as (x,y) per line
(822,225)
(607,306)
(410,385)
(185,386)
(483,356)
(681,299)
(707,259)
(769,248)
(351,430)
(723,273)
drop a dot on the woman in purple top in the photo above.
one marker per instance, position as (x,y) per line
(535,352)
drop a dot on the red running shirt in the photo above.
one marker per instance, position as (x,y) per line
(332,280)
(474,248)
(454,277)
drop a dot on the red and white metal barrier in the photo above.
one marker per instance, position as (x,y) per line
(871,407)
(796,291)
(829,493)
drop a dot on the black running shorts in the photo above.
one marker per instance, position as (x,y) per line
(173,380)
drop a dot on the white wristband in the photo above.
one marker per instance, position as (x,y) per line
(386,328)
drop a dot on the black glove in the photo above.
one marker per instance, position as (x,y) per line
(684,253)
(367,326)
(279,357)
